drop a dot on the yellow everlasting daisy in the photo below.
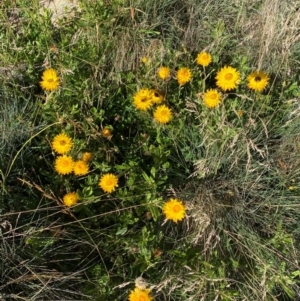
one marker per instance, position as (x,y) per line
(162,114)
(143,99)
(140,295)
(62,144)
(50,80)
(228,78)
(203,59)
(157,97)
(80,168)
(257,80)
(163,72)
(108,182)
(70,199)
(64,164)
(86,157)
(144,60)
(211,98)
(174,210)
(183,76)
(106,132)
(240,113)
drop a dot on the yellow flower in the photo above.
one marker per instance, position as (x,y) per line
(50,80)
(240,113)
(257,80)
(86,157)
(106,132)
(228,78)
(80,168)
(162,114)
(70,199)
(62,144)
(174,210)
(164,72)
(157,97)
(144,60)
(211,98)
(143,99)
(64,164)
(108,182)
(183,76)
(203,59)
(140,295)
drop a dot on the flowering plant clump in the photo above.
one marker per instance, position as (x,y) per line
(144,128)
(62,144)
(80,168)
(174,210)
(257,81)
(204,59)
(228,78)
(64,164)
(183,76)
(50,80)
(108,183)
(162,114)
(163,73)
(140,295)
(70,199)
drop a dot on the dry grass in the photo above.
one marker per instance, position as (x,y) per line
(273,33)
(268,33)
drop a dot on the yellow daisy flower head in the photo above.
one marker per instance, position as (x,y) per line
(50,80)
(62,143)
(240,113)
(257,81)
(86,157)
(163,72)
(80,168)
(64,164)
(174,210)
(212,98)
(143,99)
(183,76)
(228,78)
(106,132)
(162,114)
(70,199)
(144,60)
(108,182)
(140,295)
(203,59)
(157,97)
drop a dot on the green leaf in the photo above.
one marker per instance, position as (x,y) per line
(121,231)
(155,212)
(148,179)
(153,171)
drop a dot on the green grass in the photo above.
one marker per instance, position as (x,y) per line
(235,167)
